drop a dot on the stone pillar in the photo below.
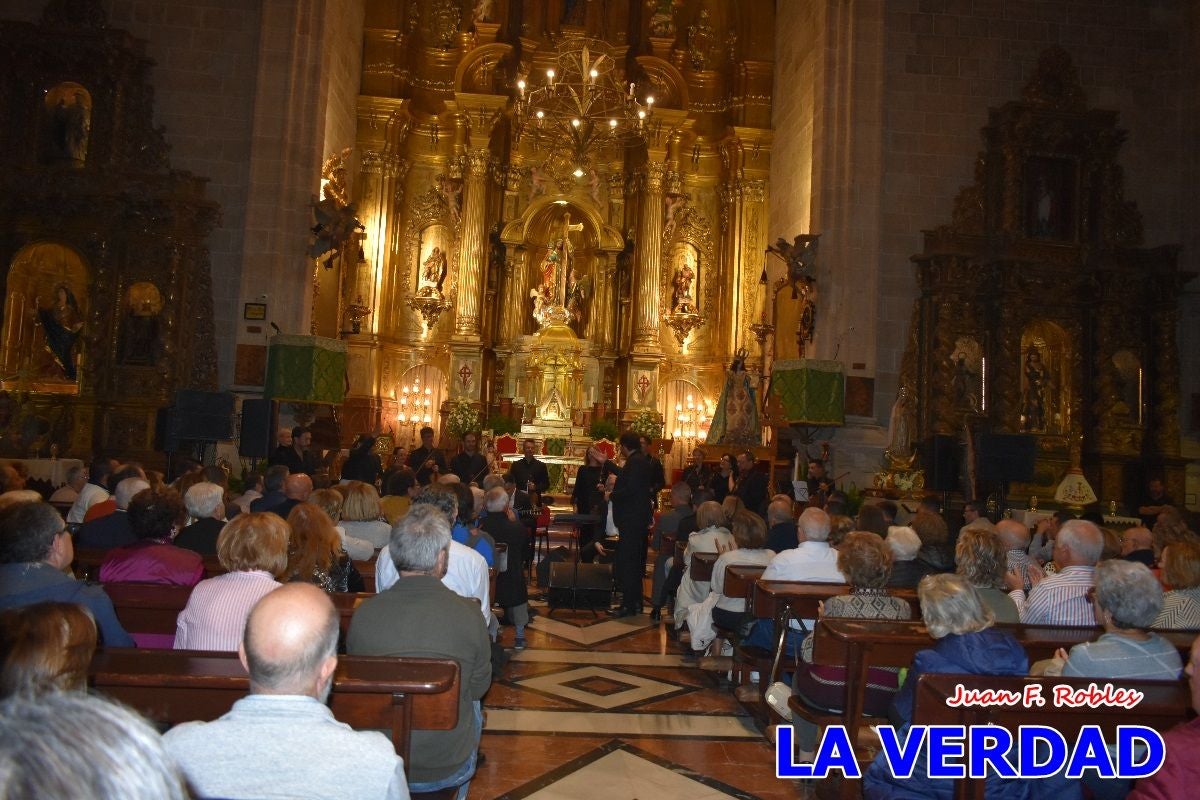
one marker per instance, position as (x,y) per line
(472,259)
(647,273)
(380,191)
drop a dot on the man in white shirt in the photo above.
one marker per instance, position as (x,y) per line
(77,477)
(282,740)
(812,559)
(94,491)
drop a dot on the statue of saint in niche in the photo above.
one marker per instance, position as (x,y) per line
(62,323)
(69,111)
(433,271)
(1033,404)
(681,298)
(140,343)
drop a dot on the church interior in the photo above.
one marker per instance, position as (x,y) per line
(943,248)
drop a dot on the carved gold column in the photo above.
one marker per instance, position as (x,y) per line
(512,306)
(472,259)
(647,273)
(604,322)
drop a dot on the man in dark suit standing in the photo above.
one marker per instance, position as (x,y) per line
(630,498)
(530,473)
(426,461)
(470,465)
(296,456)
(751,485)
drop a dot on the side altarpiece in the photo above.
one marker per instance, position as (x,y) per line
(1039,311)
(107,291)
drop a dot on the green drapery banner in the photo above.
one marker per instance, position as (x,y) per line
(306,369)
(811,391)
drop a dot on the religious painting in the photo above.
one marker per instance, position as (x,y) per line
(433,262)
(140,342)
(67,110)
(1050,198)
(966,361)
(45,311)
(1045,379)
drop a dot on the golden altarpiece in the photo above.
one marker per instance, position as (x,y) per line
(1039,312)
(107,293)
(564,206)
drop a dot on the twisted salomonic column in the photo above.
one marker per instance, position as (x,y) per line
(647,274)
(472,260)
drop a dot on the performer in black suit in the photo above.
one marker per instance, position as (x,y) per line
(751,485)
(631,499)
(427,462)
(531,474)
(588,498)
(470,465)
(697,474)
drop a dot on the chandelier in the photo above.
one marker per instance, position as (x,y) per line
(580,106)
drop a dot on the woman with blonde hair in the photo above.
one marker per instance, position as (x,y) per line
(712,537)
(982,560)
(316,553)
(330,502)
(1181,571)
(45,647)
(362,518)
(253,548)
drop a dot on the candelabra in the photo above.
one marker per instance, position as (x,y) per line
(415,408)
(691,424)
(582,107)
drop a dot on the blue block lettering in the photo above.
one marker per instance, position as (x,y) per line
(834,751)
(945,743)
(1090,753)
(990,745)
(901,758)
(1042,751)
(1129,737)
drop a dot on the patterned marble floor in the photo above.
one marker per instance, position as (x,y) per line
(602,708)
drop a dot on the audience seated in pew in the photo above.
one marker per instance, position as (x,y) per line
(45,647)
(866,562)
(1059,599)
(316,554)
(112,530)
(907,569)
(362,516)
(1181,571)
(35,549)
(1126,598)
(466,571)
(44,754)
(713,537)
(330,501)
(750,538)
(937,551)
(205,503)
(419,616)
(511,592)
(253,548)
(154,517)
(282,739)
(980,558)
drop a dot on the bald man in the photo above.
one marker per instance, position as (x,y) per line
(1015,538)
(282,740)
(1137,544)
(296,488)
(1061,599)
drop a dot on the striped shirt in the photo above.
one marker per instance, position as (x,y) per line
(1059,599)
(1114,655)
(1020,561)
(1180,610)
(215,616)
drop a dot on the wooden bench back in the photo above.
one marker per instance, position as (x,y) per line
(87,566)
(1165,704)
(739,581)
(771,599)
(369,692)
(701,568)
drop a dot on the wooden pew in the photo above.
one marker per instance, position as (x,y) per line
(367,570)
(153,608)
(701,568)
(1164,706)
(399,695)
(739,580)
(86,565)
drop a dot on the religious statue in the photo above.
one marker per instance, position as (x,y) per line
(334,216)
(140,342)
(681,297)
(433,271)
(452,191)
(578,292)
(1033,404)
(71,125)
(483,11)
(899,452)
(701,40)
(966,385)
(662,22)
(736,418)
(556,269)
(62,324)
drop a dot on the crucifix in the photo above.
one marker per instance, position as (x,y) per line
(564,262)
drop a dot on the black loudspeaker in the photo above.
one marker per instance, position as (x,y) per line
(255,438)
(1004,458)
(166,433)
(939,459)
(204,416)
(580,585)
